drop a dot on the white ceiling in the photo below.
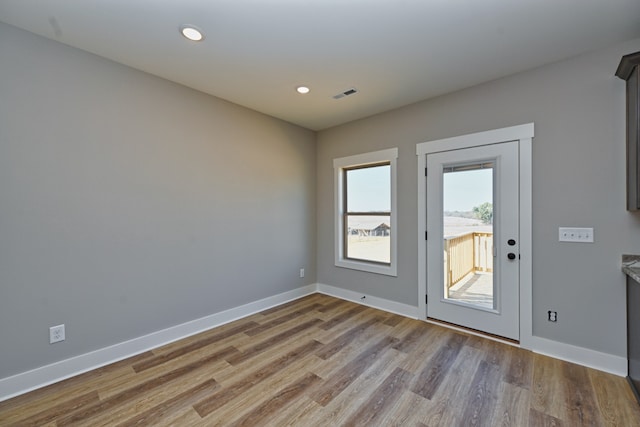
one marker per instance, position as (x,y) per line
(395,52)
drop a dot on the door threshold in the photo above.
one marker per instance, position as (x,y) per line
(476,332)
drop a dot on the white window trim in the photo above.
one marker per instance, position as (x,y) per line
(339,165)
(524,135)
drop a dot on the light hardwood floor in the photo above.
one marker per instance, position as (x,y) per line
(321,361)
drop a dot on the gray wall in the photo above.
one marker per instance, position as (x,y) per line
(578,180)
(129,204)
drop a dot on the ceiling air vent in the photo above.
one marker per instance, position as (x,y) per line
(346,93)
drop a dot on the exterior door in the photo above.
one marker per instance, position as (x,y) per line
(472,238)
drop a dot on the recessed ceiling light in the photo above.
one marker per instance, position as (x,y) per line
(303,89)
(192,33)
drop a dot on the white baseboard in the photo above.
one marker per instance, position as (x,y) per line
(58,371)
(582,356)
(370,301)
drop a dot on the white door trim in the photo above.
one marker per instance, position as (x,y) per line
(524,135)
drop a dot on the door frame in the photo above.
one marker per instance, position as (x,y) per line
(523,134)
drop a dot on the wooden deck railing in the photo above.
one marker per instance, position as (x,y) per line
(467,253)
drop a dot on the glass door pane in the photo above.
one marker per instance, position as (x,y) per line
(468,234)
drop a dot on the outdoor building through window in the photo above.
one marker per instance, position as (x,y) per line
(365,212)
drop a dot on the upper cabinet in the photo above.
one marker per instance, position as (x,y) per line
(629,70)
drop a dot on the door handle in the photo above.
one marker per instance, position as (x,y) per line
(511,256)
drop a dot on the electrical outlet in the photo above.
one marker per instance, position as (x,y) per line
(302,272)
(56,334)
(552,316)
(575,235)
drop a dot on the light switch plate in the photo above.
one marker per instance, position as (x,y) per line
(575,235)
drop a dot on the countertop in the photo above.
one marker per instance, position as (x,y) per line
(631,266)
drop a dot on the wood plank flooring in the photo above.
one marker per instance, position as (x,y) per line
(321,361)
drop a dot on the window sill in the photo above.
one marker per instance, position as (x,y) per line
(387,270)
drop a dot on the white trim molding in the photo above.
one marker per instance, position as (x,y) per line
(370,301)
(524,135)
(495,136)
(49,374)
(582,356)
(606,362)
(58,371)
(339,165)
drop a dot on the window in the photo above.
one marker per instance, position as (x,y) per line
(366,213)
(365,216)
